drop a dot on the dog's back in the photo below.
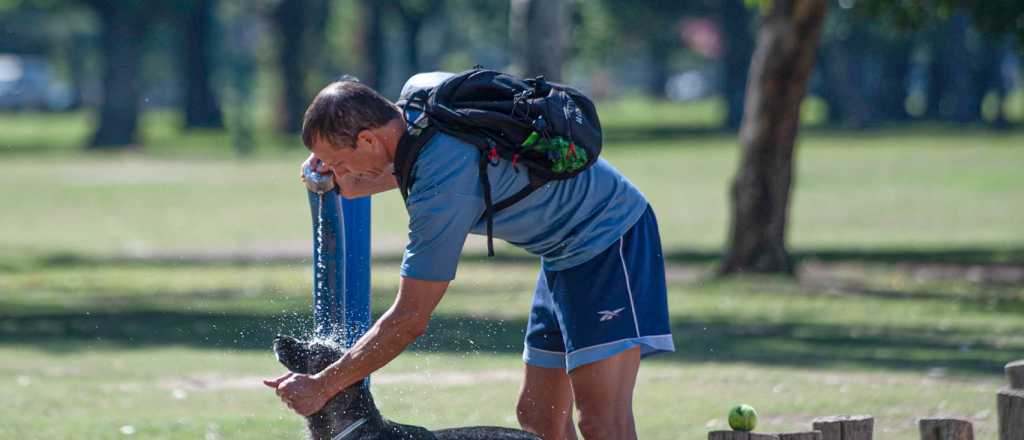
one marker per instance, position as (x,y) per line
(352,414)
(484,433)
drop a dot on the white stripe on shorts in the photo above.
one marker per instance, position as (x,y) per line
(629,289)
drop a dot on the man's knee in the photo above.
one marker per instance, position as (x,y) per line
(541,419)
(606,421)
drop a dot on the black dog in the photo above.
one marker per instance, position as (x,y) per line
(352,415)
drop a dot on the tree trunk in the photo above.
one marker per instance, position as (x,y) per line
(962,83)
(848,89)
(538,37)
(412,24)
(122,31)
(950,85)
(782,63)
(76,56)
(290,23)
(892,89)
(202,110)
(739,46)
(659,52)
(373,43)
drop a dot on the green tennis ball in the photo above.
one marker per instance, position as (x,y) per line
(743,418)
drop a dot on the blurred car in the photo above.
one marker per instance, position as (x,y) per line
(27,83)
(691,85)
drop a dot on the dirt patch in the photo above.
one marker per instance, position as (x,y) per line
(217,381)
(920,272)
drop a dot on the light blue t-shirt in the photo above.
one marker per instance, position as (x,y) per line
(565,222)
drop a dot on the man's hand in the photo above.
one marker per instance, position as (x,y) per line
(319,166)
(301,392)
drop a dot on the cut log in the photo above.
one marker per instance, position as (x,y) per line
(740,435)
(810,435)
(845,427)
(946,429)
(1011,414)
(1015,374)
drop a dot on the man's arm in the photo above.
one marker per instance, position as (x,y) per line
(353,187)
(405,321)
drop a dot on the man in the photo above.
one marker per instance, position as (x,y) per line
(600,302)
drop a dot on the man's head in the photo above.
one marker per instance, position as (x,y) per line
(352,128)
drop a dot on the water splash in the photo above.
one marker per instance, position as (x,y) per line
(320,266)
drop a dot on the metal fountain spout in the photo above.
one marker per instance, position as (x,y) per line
(317,182)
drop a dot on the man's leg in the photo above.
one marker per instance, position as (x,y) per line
(545,404)
(604,396)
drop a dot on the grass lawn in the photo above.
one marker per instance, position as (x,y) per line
(909,303)
(918,191)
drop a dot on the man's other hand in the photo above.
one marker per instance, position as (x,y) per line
(301,392)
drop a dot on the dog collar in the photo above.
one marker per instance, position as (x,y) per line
(351,428)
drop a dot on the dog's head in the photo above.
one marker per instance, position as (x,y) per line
(311,357)
(306,357)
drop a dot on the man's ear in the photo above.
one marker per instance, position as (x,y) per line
(367,139)
(291,353)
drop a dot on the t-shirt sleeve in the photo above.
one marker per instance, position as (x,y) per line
(438,226)
(443,207)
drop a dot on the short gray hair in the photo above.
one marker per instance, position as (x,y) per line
(343,109)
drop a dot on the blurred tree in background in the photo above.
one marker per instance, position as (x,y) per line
(538,34)
(652,26)
(200,105)
(301,26)
(779,72)
(862,88)
(880,62)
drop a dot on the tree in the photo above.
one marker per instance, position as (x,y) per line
(300,26)
(538,37)
(413,15)
(739,46)
(995,17)
(372,37)
(123,25)
(200,105)
(779,71)
(960,72)
(652,25)
(864,70)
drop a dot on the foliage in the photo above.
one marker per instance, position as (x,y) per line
(1000,17)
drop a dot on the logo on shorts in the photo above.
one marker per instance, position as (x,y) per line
(608,315)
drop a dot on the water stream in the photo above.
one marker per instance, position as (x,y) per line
(320,287)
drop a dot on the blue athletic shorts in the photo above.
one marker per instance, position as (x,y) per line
(607,305)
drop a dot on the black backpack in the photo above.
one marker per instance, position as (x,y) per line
(550,129)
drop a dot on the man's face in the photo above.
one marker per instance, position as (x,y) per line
(368,159)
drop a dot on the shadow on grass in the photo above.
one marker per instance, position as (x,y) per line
(962,255)
(714,339)
(666,133)
(955,256)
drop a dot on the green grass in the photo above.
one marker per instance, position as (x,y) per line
(50,134)
(922,191)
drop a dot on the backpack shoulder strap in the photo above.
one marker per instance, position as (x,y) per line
(408,150)
(533,185)
(418,133)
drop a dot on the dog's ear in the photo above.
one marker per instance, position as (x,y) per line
(323,353)
(291,353)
